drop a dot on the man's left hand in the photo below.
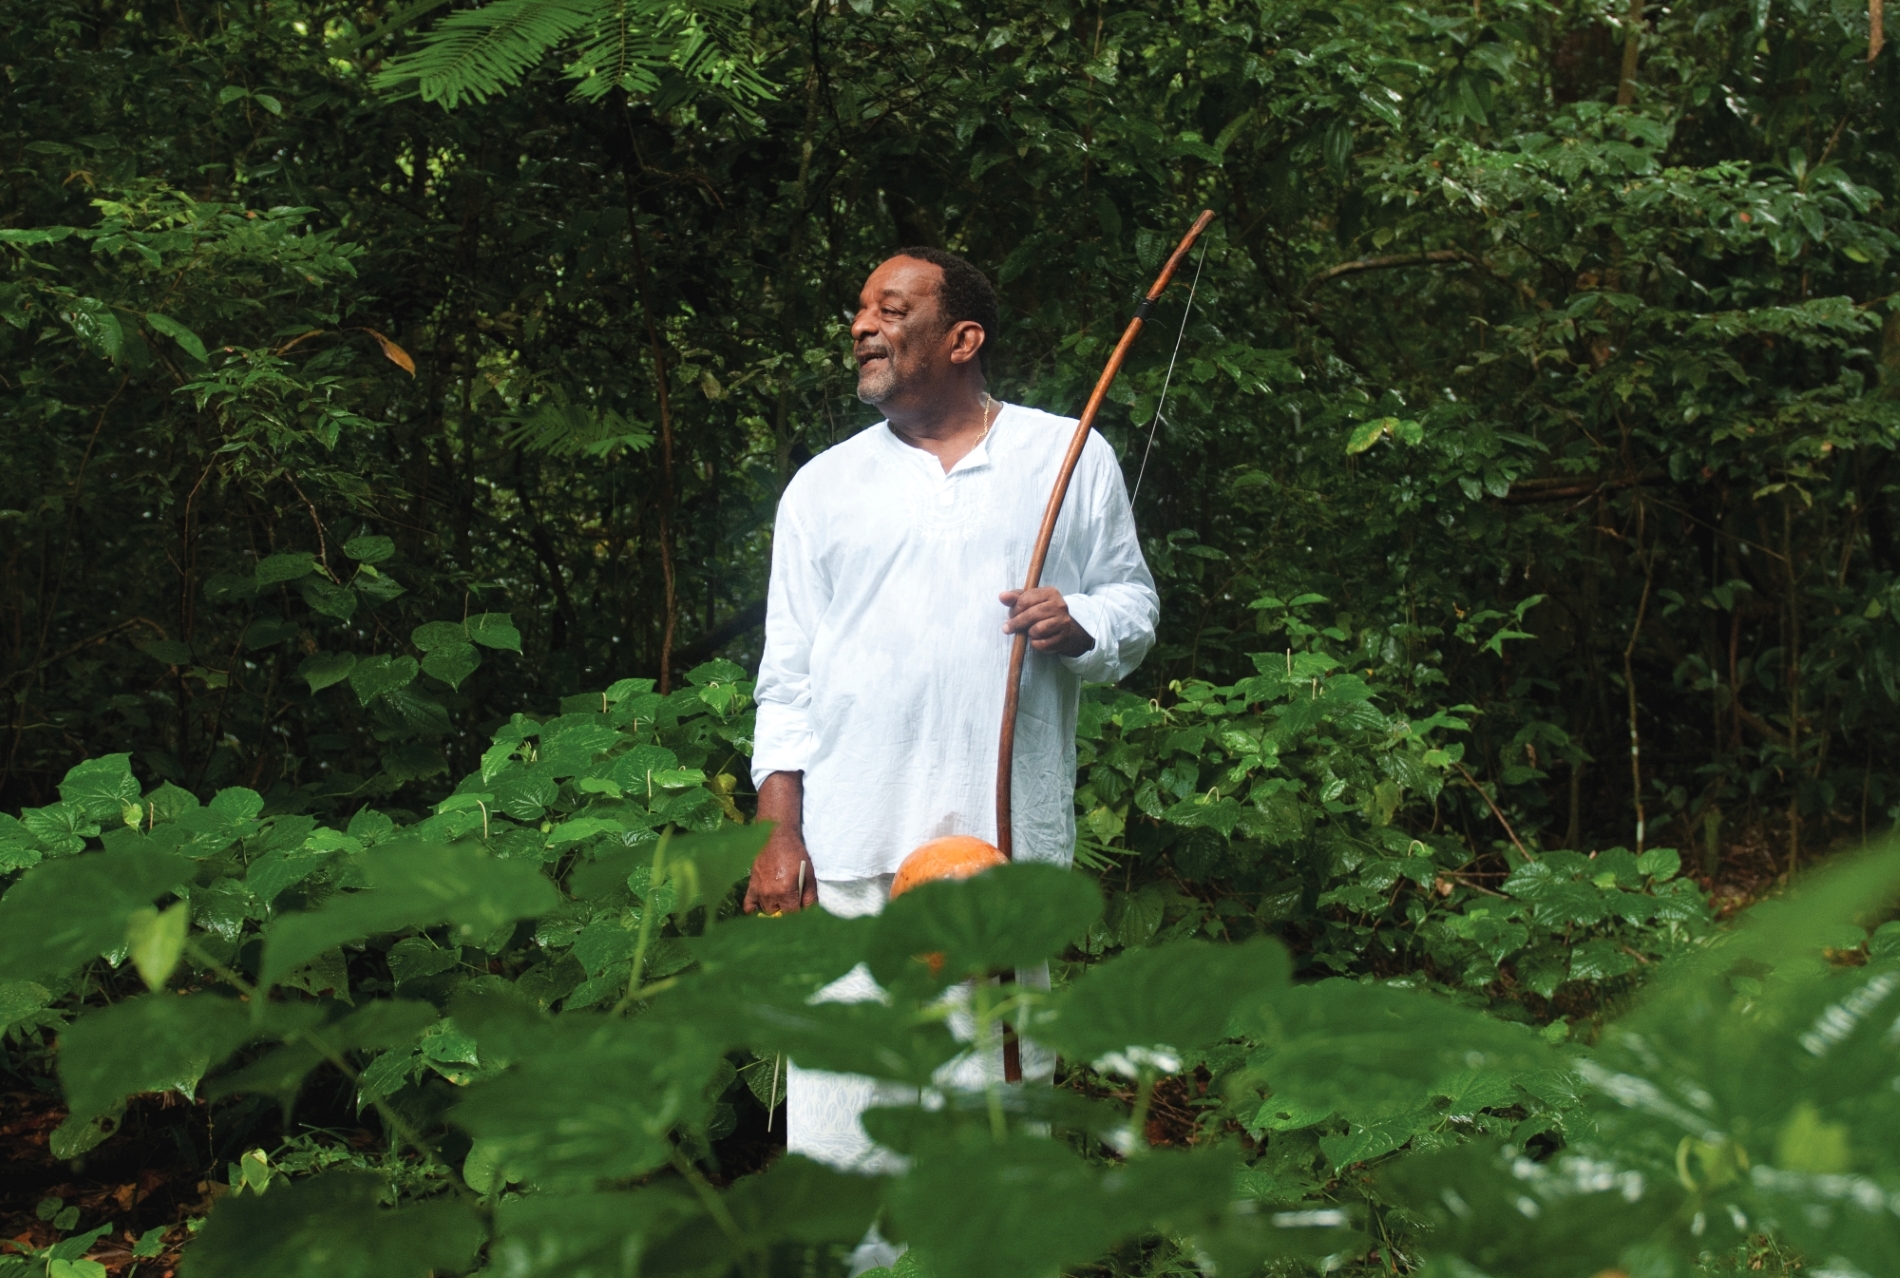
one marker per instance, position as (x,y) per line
(1045,615)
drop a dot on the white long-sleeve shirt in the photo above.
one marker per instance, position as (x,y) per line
(885,656)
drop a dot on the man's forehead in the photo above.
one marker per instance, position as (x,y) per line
(904,277)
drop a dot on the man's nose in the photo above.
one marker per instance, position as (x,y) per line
(863,326)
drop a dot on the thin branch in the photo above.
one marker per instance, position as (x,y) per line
(83,644)
(1496,811)
(1387,262)
(1629,681)
(1564,488)
(323,553)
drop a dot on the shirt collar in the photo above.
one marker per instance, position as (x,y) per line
(976,457)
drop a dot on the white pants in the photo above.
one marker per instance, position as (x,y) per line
(823,1110)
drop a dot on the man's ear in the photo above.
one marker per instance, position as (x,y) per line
(966,339)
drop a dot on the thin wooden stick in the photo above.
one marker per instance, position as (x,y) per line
(1006,746)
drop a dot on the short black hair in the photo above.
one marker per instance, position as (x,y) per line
(966,294)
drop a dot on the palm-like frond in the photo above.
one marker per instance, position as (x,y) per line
(475,53)
(629,47)
(636,46)
(572,430)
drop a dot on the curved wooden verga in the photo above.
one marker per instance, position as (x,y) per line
(1006,746)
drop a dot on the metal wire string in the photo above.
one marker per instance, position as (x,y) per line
(1168,380)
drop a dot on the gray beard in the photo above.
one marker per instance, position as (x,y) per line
(876,382)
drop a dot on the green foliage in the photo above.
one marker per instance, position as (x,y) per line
(590,1047)
(655,47)
(408,884)
(1727,1104)
(334,1225)
(1512,428)
(1293,801)
(1630,361)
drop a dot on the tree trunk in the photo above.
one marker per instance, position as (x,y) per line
(1632,30)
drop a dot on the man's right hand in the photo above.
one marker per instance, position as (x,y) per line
(774,886)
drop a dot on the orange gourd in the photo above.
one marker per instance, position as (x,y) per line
(957,856)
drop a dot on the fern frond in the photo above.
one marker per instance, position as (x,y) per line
(628,47)
(574,430)
(667,48)
(475,53)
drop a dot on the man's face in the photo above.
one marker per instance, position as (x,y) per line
(899,335)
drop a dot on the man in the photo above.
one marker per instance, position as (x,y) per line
(896,562)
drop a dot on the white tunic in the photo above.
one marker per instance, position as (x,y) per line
(882,679)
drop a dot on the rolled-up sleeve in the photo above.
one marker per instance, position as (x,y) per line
(783,739)
(1117,604)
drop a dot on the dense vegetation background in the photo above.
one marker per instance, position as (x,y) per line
(1646,346)
(1527,479)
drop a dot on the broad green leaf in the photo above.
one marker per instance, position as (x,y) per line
(796,1200)
(153,1043)
(1353,1047)
(237,803)
(327,976)
(96,325)
(587,1098)
(102,788)
(869,1038)
(415,957)
(1377,1136)
(1366,434)
(325,669)
(717,670)
(187,340)
(702,866)
(621,689)
(452,662)
(328,598)
(369,550)
(1042,1208)
(19,1000)
(382,1025)
(373,676)
(1660,863)
(279,1074)
(411,885)
(267,632)
(169,802)
(1506,1214)
(69,1249)
(1145,1008)
(333,1226)
(157,939)
(19,847)
(574,747)
(584,1235)
(1012,916)
(437,634)
(784,960)
(66,912)
(286,567)
(377,586)
(494,630)
(36,234)
(61,828)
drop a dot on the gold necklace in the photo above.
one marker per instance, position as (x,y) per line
(989,423)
